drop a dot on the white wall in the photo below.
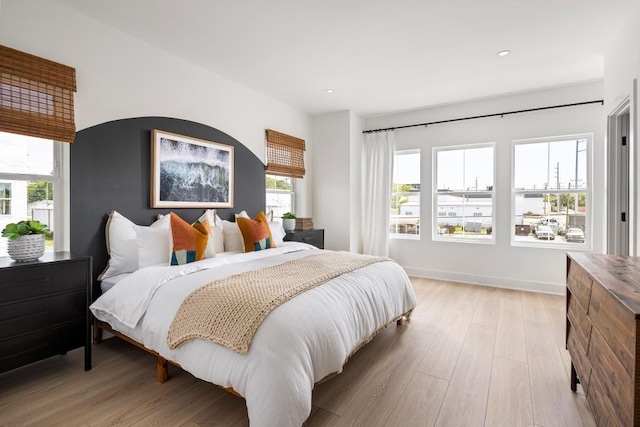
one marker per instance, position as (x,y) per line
(498,264)
(331,189)
(621,77)
(119,76)
(337,156)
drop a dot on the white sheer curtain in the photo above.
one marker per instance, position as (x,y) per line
(378,172)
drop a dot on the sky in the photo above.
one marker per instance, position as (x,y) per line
(535,166)
(37,158)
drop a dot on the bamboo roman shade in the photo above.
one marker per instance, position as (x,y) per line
(36,96)
(285,155)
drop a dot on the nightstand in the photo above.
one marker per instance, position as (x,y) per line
(312,237)
(44,308)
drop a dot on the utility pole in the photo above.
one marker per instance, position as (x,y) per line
(559,207)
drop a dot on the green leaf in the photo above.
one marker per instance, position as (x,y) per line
(23,228)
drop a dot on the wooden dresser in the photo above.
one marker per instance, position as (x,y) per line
(44,308)
(603,315)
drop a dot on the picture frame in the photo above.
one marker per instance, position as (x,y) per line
(188,172)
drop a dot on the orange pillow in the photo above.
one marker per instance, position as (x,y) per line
(255,233)
(189,243)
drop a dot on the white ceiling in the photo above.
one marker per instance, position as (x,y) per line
(378,56)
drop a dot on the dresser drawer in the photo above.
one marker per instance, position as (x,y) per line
(580,323)
(579,358)
(609,380)
(37,280)
(36,345)
(615,324)
(312,237)
(603,412)
(37,313)
(579,283)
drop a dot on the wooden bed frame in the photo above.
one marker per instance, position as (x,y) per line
(162,366)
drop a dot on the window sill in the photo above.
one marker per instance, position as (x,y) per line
(491,241)
(559,245)
(404,236)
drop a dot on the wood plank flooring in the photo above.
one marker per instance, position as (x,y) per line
(471,356)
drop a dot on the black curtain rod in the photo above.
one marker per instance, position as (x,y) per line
(601,101)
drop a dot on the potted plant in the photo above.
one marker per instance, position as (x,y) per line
(26,240)
(289,221)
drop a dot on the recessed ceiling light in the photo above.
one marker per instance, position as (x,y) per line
(329,90)
(504,52)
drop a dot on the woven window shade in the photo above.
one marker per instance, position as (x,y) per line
(285,155)
(36,96)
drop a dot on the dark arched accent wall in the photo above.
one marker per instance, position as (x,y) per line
(111,170)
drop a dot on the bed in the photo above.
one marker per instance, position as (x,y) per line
(298,344)
(301,342)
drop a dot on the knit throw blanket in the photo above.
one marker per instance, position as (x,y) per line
(230,310)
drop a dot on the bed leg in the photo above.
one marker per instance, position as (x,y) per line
(405,318)
(163,370)
(97,334)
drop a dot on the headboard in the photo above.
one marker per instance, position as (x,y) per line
(111,170)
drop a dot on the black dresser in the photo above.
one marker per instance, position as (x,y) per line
(312,237)
(44,308)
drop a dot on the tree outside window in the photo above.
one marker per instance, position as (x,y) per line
(279,194)
(404,219)
(28,180)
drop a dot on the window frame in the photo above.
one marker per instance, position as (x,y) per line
(60,194)
(408,236)
(292,192)
(437,237)
(588,242)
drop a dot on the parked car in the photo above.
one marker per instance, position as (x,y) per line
(553,224)
(544,232)
(575,235)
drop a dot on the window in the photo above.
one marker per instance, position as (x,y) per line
(5,198)
(29,180)
(279,194)
(405,195)
(463,187)
(551,185)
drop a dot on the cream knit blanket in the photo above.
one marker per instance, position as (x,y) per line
(230,310)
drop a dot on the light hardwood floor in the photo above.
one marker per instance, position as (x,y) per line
(471,356)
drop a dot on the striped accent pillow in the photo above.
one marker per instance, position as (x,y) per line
(256,233)
(189,243)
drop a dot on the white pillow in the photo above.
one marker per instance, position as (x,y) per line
(216,228)
(121,246)
(277,232)
(218,235)
(153,242)
(232,237)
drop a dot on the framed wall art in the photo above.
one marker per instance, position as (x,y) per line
(190,173)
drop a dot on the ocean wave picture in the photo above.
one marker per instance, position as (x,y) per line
(193,173)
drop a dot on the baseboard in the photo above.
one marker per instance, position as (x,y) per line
(494,282)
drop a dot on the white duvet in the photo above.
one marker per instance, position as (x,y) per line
(298,343)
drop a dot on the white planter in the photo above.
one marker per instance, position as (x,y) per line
(26,248)
(288,224)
